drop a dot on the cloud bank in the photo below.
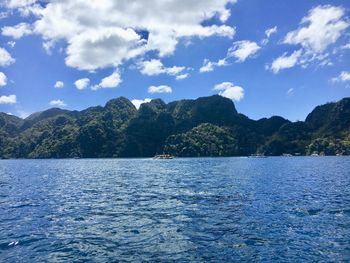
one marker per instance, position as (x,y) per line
(106,33)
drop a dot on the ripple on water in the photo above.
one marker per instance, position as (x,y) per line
(199,210)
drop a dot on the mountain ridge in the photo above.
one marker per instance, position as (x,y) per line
(206,126)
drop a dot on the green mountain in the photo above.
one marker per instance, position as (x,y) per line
(208,126)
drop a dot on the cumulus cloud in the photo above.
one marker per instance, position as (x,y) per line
(137,103)
(155,67)
(160,89)
(100,48)
(344,76)
(16,31)
(229,90)
(109,82)
(210,65)
(81,84)
(152,67)
(57,103)
(207,66)
(11,99)
(182,76)
(3,79)
(284,61)
(321,28)
(59,85)
(241,50)
(106,33)
(5,58)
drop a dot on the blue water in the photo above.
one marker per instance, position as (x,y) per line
(183,210)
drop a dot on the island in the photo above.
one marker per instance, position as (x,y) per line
(207,126)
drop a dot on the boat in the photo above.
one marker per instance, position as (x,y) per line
(163,156)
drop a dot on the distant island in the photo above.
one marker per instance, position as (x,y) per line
(207,126)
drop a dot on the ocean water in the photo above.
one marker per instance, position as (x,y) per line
(181,210)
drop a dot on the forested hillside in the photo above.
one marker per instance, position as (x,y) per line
(208,126)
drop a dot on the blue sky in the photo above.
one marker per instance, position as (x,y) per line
(270,57)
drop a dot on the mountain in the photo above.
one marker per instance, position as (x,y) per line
(207,126)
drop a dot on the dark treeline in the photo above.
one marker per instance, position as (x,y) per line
(208,126)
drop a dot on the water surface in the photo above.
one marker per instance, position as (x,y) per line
(187,210)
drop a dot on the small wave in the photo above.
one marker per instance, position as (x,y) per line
(13,243)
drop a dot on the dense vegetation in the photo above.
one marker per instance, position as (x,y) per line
(208,126)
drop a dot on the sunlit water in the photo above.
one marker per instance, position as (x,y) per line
(197,210)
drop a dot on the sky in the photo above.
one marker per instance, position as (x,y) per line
(270,57)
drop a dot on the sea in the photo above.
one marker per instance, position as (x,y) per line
(276,209)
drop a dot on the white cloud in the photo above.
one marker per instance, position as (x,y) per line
(182,76)
(207,66)
(242,50)
(16,31)
(268,33)
(59,85)
(137,103)
(210,65)
(19,3)
(152,67)
(11,44)
(106,33)
(284,61)
(271,31)
(155,67)
(343,77)
(109,82)
(11,99)
(175,70)
(346,46)
(5,58)
(3,79)
(160,89)
(100,48)
(229,90)
(57,103)
(81,84)
(322,27)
